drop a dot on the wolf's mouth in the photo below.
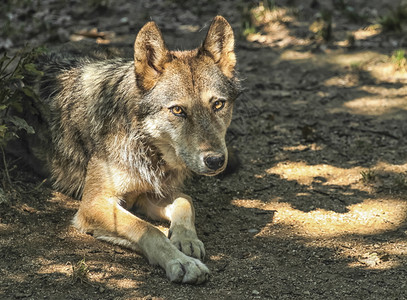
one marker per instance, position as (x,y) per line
(212,172)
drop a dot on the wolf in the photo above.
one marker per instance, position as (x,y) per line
(126,134)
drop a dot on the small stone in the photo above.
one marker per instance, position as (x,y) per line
(23,295)
(255,292)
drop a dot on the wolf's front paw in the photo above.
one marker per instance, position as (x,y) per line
(187,242)
(187,270)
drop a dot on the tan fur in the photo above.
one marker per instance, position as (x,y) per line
(120,141)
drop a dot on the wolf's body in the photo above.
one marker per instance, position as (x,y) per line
(127,133)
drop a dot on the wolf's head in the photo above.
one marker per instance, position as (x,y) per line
(188,96)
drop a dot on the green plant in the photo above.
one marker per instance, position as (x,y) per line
(356,66)
(257,14)
(396,18)
(322,26)
(80,272)
(368,176)
(16,94)
(248,26)
(399,59)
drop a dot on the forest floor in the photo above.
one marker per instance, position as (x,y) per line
(318,207)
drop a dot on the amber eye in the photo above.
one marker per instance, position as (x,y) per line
(178,111)
(218,105)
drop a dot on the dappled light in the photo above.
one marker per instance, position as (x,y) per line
(50,267)
(372,216)
(376,107)
(307,174)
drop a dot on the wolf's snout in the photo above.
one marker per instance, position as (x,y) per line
(214,162)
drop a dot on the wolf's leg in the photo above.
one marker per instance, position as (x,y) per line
(101,214)
(181,214)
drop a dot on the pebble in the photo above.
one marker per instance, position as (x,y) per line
(255,292)
(23,295)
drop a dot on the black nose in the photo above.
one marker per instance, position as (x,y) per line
(214,162)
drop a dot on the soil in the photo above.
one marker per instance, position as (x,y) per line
(317,208)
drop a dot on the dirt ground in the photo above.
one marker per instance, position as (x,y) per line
(318,207)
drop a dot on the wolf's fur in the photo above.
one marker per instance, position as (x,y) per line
(119,139)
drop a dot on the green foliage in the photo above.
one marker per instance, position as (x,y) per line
(15,94)
(399,59)
(80,272)
(356,66)
(252,13)
(322,26)
(248,26)
(368,176)
(395,20)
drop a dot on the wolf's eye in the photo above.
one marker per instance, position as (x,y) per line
(178,111)
(218,105)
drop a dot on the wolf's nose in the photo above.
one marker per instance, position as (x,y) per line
(214,162)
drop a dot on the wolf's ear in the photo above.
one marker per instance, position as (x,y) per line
(150,55)
(220,43)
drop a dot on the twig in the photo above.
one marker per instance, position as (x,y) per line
(5,166)
(40,185)
(379,132)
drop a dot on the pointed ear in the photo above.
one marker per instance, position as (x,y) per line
(150,55)
(219,44)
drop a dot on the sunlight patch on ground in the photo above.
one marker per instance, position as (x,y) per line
(386,167)
(275,32)
(379,256)
(16,278)
(372,216)
(366,32)
(337,58)
(347,80)
(306,174)
(374,266)
(123,283)
(217,257)
(353,59)
(50,267)
(6,228)
(327,175)
(360,35)
(351,64)
(377,65)
(368,216)
(295,55)
(376,106)
(314,147)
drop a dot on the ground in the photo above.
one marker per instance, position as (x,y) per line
(318,207)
